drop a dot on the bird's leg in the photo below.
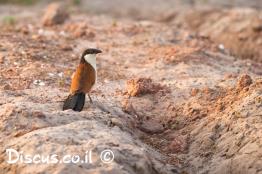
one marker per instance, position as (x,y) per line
(90,99)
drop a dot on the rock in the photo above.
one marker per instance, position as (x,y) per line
(39,83)
(55,14)
(141,86)
(257,28)
(206,143)
(221,47)
(65,47)
(1,58)
(7,87)
(116,122)
(151,127)
(194,92)
(257,25)
(178,144)
(80,30)
(244,81)
(128,107)
(38,114)
(228,76)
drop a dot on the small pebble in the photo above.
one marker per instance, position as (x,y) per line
(61,74)
(39,82)
(221,47)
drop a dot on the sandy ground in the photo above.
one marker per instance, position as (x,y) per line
(169,98)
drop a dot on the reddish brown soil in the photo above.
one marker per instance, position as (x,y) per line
(185,97)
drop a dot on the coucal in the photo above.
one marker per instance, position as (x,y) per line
(83,80)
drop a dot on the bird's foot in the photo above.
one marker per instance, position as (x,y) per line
(90,99)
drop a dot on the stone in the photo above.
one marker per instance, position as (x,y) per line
(178,144)
(141,86)
(194,92)
(244,81)
(55,14)
(152,127)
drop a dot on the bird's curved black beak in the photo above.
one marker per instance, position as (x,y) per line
(95,51)
(98,51)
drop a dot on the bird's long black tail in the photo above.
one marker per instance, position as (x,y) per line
(75,102)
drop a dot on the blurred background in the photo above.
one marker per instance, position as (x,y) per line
(236,24)
(141,8)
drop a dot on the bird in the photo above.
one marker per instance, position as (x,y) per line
(83,79)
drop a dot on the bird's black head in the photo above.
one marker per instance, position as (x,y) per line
(91,51)
(89,54)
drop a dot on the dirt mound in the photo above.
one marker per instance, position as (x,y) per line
(55,14)
(141,86)
(239,30)
(212,131)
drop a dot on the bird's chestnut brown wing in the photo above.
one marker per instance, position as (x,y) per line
(90,78)
(84,78)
